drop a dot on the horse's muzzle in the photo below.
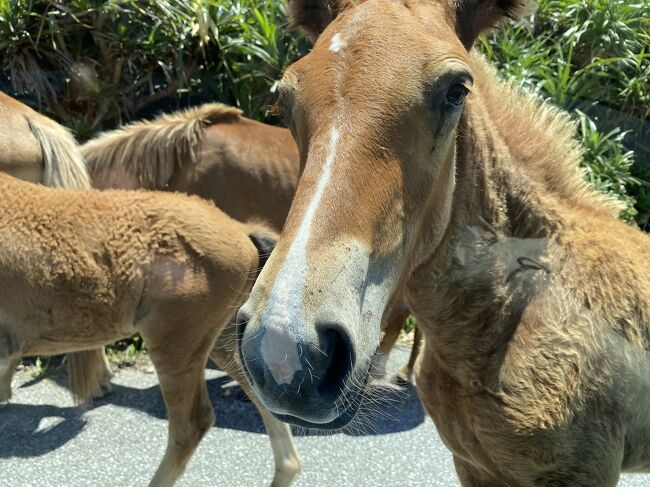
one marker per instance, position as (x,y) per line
(300,379)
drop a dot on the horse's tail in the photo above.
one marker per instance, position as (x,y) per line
(64,165)
(90,374)
(146,154)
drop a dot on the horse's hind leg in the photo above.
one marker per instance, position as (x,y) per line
(394,325)
(405,373)
(285,454)
(179,354)
(103,373)
(7,368)
(9,356)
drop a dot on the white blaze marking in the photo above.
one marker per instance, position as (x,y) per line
(337,43)
(279,352)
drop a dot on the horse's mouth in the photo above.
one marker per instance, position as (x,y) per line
(341,421)
(352,401)
(347,411)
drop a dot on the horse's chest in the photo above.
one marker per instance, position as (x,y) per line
(456,411)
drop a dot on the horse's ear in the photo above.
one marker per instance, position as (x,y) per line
(313,16)
(264,241)
(472,17)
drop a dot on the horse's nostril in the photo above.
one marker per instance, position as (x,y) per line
(339,359)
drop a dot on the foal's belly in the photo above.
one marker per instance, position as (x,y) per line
(81,333)
(44,324)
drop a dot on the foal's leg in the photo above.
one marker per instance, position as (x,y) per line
(395,323)
(104,374)
(285,454)
(7,368)
(405,373)
(179,357)
(10,353)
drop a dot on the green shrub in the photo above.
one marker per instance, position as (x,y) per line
(91,64)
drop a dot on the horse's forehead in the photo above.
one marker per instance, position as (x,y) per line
(372,39)
(348,28)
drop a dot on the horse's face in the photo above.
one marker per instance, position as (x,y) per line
(374,109)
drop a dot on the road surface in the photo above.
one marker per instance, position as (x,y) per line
(119,440)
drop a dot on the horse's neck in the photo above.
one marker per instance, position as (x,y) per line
(493,187)
(499,234)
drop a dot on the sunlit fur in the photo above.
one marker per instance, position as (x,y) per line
(249,169)
(37,149)
(533,299)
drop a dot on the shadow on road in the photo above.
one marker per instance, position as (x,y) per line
(390,411)
(34,430)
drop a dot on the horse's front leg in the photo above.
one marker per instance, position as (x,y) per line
(10,353)
(179,353)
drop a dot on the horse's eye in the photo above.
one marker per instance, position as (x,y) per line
(456,94)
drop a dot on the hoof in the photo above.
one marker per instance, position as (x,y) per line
(402,378)
(102,390)
(5,395)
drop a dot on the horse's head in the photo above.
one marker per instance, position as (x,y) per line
(374,109)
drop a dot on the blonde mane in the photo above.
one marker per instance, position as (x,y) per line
(150,151)
(64,165)
(542,138)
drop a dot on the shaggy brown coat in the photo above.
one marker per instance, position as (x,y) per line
(47,153)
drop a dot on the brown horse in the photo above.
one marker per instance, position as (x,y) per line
(420,167)
(35,148)
(248,169)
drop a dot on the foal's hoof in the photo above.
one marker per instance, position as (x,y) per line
(4,399)
(103,390)
(402,378)
(233,390)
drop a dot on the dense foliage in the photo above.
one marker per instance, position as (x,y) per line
(92,64)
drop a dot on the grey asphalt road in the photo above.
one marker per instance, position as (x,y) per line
(119,440)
